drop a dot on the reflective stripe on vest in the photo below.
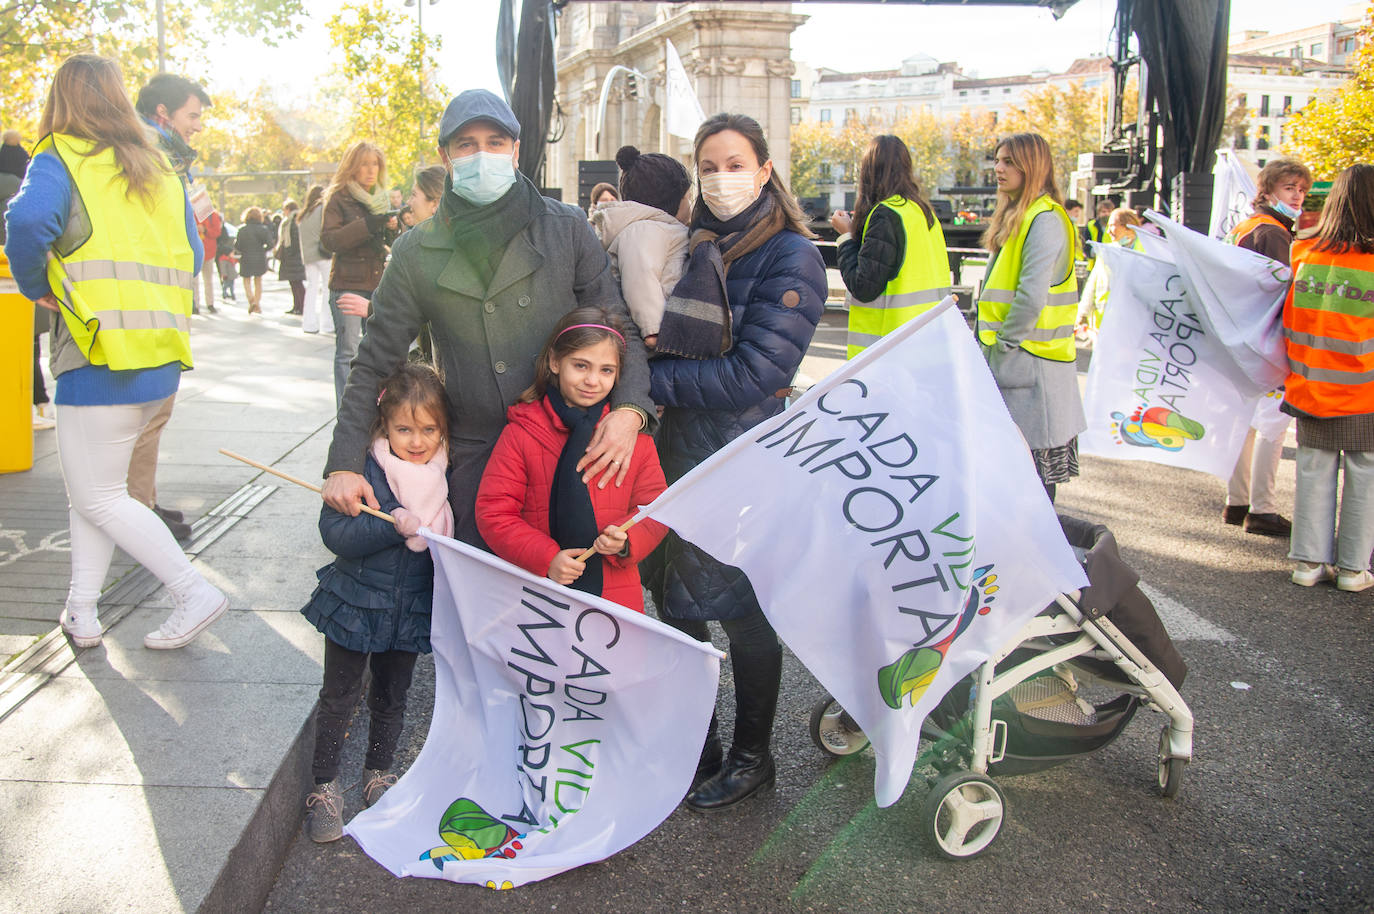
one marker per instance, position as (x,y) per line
(921,281)
(1052,335)
(1328,323)
(125,288)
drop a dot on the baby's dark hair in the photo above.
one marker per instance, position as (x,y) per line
(652,178)
(414,386)
(579,328)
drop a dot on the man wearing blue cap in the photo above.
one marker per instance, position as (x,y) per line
(492,272)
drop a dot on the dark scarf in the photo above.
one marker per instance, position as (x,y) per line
(178,151)
(481,233)
(696,317)
(572,521)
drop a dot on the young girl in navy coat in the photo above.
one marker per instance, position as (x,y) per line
(373,603)
(533,507)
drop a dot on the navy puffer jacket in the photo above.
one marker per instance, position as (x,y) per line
(377,595)
(777,295)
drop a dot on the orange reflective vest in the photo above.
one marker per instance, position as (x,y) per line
(1328,323)
(1249,224)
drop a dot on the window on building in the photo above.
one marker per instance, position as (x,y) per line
(1287,105)
(1262,138)
(1315,50)
(1007,91)
(1261,162)
(902,112)
(1242,100)
(963,93)
(1264,106)
(825,115)
(1296,52)
(796,115)
(825,173)
(875,113)
(796,88)
(1243,138)
(851,115)
(984,91)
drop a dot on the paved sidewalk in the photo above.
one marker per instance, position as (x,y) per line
(154,781)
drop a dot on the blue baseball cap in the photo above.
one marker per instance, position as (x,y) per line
(477,105)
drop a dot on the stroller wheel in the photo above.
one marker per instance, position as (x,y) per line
(833,731)
(1169,773)
(963,815)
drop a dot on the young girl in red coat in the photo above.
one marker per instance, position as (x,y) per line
(533,509)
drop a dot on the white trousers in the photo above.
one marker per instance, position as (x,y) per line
(1257,468)
(94,444)
(317,316)
(1315,537)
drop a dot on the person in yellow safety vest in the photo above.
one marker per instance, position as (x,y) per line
(1027,306)
(1328,327)
(1096,229)
(1122,225)
(1281,187)
(897,266)
(102,233)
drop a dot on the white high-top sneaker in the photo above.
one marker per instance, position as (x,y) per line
(194,610)
(81,625)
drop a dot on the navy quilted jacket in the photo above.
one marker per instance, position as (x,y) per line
(377,595)
(777,295)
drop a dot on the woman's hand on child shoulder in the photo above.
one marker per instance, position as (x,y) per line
(565,568)
(611,541)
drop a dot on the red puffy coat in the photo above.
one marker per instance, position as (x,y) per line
(513,500)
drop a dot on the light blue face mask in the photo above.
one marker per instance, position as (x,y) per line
(1284,209)
(483,177)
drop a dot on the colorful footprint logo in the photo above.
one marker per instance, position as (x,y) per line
(908,677)
(1158,427)
(469,832)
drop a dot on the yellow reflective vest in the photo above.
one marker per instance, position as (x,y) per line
(1096,233)
(122,270)
(1052,335)
(920,283)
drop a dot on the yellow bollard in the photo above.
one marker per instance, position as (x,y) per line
(16,375)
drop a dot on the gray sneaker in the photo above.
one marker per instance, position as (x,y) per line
(375,783)
(324,813)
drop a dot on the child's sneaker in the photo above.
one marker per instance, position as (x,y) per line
(324,813)
(1347,580)
(375,783)
(1307,574)
(81,625)
(195,610)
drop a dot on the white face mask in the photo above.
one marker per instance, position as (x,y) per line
(1283,208)
(727,194)
(483,177)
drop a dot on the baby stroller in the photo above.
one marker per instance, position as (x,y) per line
(1021,711)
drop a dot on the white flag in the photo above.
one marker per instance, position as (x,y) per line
(1239,295)
(682,112)
(892,525)
(1232,194)
(1157,387)
(565,729)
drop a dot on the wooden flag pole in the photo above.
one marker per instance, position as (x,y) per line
(591,551)
(301,482)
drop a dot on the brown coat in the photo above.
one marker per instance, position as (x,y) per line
(359,255)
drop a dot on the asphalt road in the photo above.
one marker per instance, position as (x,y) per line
(1274,813)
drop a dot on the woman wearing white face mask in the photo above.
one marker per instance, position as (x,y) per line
(717,378)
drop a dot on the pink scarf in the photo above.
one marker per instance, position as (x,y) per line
(420,487)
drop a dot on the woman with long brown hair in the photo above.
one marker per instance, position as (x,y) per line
(716,379)
(357,226)
(98,193)
(894,265)
(1328,323)
(1028,304)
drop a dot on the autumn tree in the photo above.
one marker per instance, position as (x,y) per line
(972,135)
(810,141)
(1333,132)
(387,85)
(1070,118)
(927,137)
(37,35)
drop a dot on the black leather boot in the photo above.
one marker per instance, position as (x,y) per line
(712,755)
(749,766)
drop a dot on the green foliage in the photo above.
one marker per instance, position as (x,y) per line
(1333,131)
(389,101)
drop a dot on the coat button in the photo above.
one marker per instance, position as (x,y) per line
(500,367)
(489,307)
(524,301)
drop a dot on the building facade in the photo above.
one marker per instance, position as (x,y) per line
(737,55)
